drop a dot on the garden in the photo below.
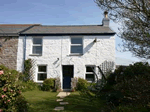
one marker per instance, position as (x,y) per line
(126,89)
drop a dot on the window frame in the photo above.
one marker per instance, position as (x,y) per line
(90,72)
(36,45)
(41,72)
(76,45)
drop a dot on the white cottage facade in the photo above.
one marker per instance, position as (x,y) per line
(57,54)
(63,52)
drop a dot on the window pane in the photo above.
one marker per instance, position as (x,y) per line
(76,49)
(90,77)
(37,49)
(41,68)
(89,69)
(37,40)
(76,40)
(42,76)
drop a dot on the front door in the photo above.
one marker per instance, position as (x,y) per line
(67,75)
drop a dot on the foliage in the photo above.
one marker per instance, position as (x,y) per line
(130,87)
(27,68)
(9,89)
(135,28)
(29,86)
(82,84)
(21,104)
(48,84)
(136,108)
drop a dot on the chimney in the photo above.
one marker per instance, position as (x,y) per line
(106,19)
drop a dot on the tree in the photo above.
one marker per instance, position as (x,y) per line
(135,18)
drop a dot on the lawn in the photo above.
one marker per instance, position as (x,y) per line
(41,101)
(46,101)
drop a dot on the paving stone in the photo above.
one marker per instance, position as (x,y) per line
(63,94)
(58,100)
(63,103)
(59,108)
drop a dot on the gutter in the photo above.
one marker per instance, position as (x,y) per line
(24,51)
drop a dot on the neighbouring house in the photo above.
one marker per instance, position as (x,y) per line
(64,52)
(9,48)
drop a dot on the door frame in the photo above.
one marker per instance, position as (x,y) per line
(63,75)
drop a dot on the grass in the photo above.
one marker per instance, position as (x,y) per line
(46,101)
(41,101)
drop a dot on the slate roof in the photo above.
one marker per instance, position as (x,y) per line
(13,29)
(37,29)
(72,29)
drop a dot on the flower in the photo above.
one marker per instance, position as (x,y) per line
(1,110)
(1,72)
(5,89)
(8,100)
(3,96)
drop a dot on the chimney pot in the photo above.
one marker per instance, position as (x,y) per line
(105,19)
(106,14)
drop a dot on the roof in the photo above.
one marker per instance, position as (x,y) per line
(37,29)
(72,29)
(13,29)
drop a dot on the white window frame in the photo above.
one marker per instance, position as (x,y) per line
(76,45)
(90,72)
(41,72)
(37,45)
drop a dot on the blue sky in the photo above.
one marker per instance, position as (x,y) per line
(56,12)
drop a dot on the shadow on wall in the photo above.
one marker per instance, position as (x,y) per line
(88,47)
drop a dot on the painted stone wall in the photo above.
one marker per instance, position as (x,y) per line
(8,52)
(56,52)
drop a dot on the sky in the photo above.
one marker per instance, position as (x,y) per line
(57,12)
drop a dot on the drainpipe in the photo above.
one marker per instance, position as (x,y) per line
(24,51)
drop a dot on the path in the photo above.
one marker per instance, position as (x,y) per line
(60,96)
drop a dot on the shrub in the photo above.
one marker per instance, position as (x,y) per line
(82,84)
(9,89)
(48,84)
(21,104)
(27,66)
(130,83)
(29,86)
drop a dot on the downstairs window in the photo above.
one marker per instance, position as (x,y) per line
(89,73)
(42,72)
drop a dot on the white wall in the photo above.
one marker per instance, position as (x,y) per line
(55,47)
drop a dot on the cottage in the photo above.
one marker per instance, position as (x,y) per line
(62,51)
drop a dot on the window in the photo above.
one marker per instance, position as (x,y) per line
(37,46)
(89,73)
(76,45)
(42,72)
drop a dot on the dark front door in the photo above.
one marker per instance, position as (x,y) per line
(67,75)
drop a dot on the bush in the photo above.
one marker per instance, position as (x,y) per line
(82,84)
(27,66)
(21,104)
(48,84)
(29,86)
(9,89)
(128,86)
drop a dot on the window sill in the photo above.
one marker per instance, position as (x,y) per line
(35,54)
(75,54)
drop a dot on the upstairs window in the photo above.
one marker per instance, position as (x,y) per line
(76,45)
(89,73)
(37,45)
(42,72)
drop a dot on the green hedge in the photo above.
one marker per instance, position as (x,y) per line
(48,84)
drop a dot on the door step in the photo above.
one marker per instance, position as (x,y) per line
(66,90)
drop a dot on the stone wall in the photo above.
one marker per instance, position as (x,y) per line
(8,52)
